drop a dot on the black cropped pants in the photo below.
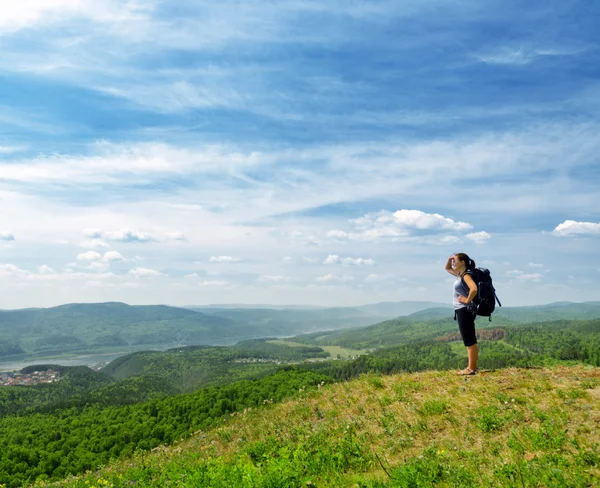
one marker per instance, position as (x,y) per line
(466,325)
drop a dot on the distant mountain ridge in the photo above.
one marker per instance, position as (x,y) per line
(116,326)
(87,327)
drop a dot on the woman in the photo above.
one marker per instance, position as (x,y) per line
(458,265)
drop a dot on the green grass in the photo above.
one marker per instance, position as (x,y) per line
(511,427)
(334,351)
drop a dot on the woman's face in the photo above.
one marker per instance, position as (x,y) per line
(458,264)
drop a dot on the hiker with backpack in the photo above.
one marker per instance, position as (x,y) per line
(465,291)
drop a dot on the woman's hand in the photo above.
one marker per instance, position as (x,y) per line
(464,300)
(450,265)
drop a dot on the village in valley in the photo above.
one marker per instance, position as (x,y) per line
(27,379)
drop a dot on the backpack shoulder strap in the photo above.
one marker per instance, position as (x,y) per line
(462,278)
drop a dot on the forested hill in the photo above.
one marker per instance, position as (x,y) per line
(97,327)
(434,322)
(113,326)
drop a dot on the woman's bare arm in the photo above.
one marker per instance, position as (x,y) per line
(472,290)
(450,267)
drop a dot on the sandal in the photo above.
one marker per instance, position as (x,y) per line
(467,372)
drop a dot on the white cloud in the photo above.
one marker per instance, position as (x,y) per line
(214,284)
(271,278)
(331,277)
(144,272)
(376,278)
(176,236)
(30,13)
(6,236)
(535,265)
(522,56)
(93,244)
(141,162)
(449,240)
(401,224)
(572,227)
(89,256)
(127,235)
(522,276)
(9,269)
(335,259)
(478,237)
(191,275)
(309,260)
(10,149)
(92,233)
(332,259)
(338,234)
(420,220)
(112,256)
(45,269)
(224,259)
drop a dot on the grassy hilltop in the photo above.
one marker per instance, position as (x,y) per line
(509,427)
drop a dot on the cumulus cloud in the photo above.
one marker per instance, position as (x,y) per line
(144,272)
(122,235)
(535,265)
(572,227)
(9,269)
(45,269)
(402,223)
(335,259)
(127,235)
(89,256)
(112,256)
(6,236)
(478,237)
(224,259)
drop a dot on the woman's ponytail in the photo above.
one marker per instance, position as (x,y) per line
(469,263)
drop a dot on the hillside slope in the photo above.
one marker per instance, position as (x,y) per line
(512,427)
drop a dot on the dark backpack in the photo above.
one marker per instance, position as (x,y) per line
(484,302)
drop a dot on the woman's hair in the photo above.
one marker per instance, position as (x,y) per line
(467,260)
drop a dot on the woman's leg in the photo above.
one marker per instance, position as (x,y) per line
(466,325)
(473,355)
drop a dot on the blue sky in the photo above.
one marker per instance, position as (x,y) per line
(297,152)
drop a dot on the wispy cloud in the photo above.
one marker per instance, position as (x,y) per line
(273,146)
(524,55)
(224,259)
